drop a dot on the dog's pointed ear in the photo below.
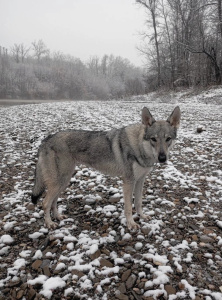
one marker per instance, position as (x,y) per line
(174,118)
(147,118)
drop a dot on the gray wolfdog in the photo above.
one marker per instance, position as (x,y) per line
(129,152)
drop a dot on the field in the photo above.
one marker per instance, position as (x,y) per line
(92,255)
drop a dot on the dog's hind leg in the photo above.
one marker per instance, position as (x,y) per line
(57,185)
(51,197)
(56,215)
(65,179)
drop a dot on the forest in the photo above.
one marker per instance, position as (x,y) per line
(35,73)
(181,44)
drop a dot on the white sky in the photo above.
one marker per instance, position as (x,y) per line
(82,28)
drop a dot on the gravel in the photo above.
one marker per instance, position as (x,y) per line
(92,255)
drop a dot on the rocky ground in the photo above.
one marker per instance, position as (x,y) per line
(92,255)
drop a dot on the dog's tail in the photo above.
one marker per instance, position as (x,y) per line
(39,186)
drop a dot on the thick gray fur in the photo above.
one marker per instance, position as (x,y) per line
(129,152)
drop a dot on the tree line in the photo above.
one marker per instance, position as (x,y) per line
(182,43)
(36,73)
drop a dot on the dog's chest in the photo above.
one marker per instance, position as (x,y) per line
(140,171)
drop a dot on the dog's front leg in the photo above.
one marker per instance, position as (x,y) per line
(138,192)
(128,187)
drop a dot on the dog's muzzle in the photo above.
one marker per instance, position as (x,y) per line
(162,157)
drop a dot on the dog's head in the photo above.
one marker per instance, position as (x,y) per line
(161,135)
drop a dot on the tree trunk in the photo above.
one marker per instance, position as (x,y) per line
(220,15)
(157,48)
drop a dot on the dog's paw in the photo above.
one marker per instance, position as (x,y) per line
(144,217)
(51,225)
(61,217)
(132,225)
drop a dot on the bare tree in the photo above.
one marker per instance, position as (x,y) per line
(16,52)
(151,7)
(24,50)
(94,64)
(39,49)
(185,46)
(104,63)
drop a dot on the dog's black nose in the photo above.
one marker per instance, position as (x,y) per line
(162,157)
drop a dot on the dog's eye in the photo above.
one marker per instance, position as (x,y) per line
(153,139)
(168,139)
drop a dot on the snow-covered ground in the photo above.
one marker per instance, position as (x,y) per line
(92,255)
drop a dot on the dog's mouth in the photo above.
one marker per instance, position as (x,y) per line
(162,158)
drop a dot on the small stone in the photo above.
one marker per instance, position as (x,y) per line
(137,291)
(15,283)
(105,263)
(158,263)
(177,201)
(208,231)
(122,288)
(125,275)
(20,294)
(170,289)
(78,273)
(122,243)
(36,264)
(95,255)
(181,286)
(141,285)
(30,206)
(170,257)
(200,256)
(145,230)
(130,249)
(131,281)
(200,129)
(24,286)
(181,226)
(206,239)
(211,286)
(195,237)
(13,294)
(121,296)
(46,271)
(106,251)
(114,199)
(31,294)
(91,200)
(193,227)
(5,291)
(46,262)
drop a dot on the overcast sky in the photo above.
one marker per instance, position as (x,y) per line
(82,28)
